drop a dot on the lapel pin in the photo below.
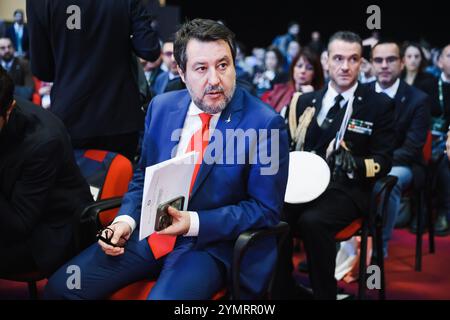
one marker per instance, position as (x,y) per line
(403,99)
(359,98)
(314,100)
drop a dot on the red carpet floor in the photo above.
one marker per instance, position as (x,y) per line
(432,283)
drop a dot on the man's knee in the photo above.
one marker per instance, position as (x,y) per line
(57,288)
(309,223)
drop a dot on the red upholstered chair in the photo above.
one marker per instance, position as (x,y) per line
(108,174)
(36,98)
(139,290)
(421,196)
(371,223)
(110,187)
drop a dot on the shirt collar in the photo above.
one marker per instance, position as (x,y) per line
(18,27)
(391,91)
(195,111)
(173,76)
(346,94)
(444,78)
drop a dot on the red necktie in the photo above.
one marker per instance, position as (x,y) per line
(163,244)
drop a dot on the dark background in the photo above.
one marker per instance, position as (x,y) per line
(256,23)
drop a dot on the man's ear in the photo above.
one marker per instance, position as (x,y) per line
(181,73)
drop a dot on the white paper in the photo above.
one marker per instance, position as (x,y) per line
(163,182)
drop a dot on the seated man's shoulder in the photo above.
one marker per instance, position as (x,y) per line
(44,128)
(171,97)
(258,110)
(308,98)
(417,95)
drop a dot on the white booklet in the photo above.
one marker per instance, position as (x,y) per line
(163,182)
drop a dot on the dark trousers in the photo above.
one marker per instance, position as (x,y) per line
(183,274)
(443,187)
(124,144)
(16,259)
(316,223)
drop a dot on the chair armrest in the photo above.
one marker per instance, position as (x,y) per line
(245,241)
(89,224)
(380,196)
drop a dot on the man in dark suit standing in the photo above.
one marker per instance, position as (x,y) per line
(18,33)
(85,48)
(41,187)
(412,117)
(368,141)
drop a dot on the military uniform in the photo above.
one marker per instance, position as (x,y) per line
(369,136)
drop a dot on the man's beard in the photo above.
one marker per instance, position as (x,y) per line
(7,58)
(213,109)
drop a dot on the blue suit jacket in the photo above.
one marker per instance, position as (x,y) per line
(229,198)
(161,82)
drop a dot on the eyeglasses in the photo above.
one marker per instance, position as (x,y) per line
(389,60)
(107,234)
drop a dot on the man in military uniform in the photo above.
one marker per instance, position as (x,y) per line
(367,153)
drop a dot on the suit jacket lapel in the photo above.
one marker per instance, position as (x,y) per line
(400,99)
(175,122)
(229,119)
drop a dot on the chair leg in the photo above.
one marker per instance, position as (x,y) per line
(32,290)
(419,212)
(430,223)
(380,255)
(362,262)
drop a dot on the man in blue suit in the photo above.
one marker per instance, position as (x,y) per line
(412,117)
(168,80)
(226,199)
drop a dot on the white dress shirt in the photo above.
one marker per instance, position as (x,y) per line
(329,100)
(391,91)
(444,78)
(192,123)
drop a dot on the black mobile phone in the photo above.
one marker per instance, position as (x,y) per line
(163,218)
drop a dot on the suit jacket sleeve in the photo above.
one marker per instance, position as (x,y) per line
(144,39)
(265,197)
(42,63)
(416,136)
(22,210)
(381,143)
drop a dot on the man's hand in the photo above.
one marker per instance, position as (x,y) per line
(180,224)
(121,230)
(447,145)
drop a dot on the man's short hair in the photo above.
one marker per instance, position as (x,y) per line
(18,11)
(379,43)
(6,91)
(346,36)
(204,30)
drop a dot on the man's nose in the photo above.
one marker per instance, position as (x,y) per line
(213,77)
